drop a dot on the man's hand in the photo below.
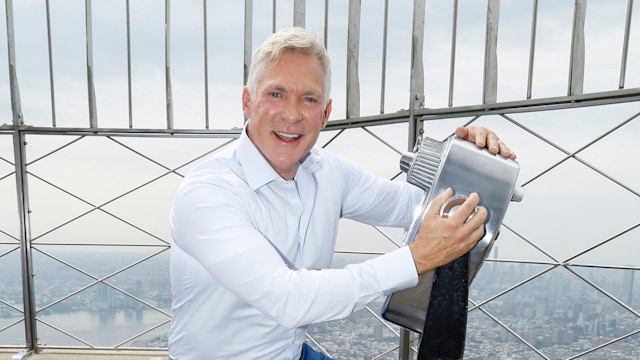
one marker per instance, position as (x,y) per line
(440,241)
(484,137)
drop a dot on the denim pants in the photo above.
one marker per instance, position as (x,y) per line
(309,354)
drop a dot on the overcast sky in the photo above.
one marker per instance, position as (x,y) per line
(575,202)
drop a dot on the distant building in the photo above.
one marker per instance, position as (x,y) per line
(627,287)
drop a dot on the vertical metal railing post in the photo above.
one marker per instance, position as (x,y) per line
(205,31)
(452,60)
(416,101)
(248,38)
(576,67)
(416,81)
(19,143)
(50,51)
(299,13)
(532,46)
(383,76)
(129,83)
(625,44)
(91,91)
(490,86)
(167,63)
(353,58)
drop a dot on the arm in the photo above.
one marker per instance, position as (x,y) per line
(216,227)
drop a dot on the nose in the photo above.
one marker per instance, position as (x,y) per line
(291,111)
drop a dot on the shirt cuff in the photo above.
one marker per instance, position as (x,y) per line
(396,270)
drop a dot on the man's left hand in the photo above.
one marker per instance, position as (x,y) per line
(484,137)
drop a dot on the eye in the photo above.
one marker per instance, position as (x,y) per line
(309,99)
(275,94)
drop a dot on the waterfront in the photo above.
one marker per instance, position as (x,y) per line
(557,313)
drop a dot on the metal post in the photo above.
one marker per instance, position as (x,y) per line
(490,87)
(167,63)
(416,82)
(299,13)
(416,101)
(625,45)
(353,55)
(19,143)
(576,68)
(248,39)
(404,352)
(91,91)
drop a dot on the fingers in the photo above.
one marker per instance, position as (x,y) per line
(484,137)
(441,240)
(476,134)
(438,201)
(461,215)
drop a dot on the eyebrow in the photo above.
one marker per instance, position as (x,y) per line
(283,88)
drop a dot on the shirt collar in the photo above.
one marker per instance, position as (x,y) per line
(256,168)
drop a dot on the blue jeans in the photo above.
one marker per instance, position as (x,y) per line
(309,354)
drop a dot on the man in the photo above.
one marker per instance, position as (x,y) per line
(254,227)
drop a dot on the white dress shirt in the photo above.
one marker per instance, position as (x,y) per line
(250,252)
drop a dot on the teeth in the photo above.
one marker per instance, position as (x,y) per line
(286,135)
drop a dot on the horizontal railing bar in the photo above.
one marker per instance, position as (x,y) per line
(228,133)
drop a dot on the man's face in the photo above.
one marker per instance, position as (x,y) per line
(286,113)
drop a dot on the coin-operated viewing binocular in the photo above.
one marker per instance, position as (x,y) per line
(437,306)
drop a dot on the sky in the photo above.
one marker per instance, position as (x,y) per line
(573,203)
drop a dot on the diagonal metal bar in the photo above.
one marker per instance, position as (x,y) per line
(316,343)
(571,155)
(381,140)
(11,324)
(603,291)
(392,240)
(7,161)
(6,176)
(508,329)
(381,320)
(54,151)
(166,167)
(515,286)
(142,333)
(95,208)
(66,333)
(101,280)
(12,306)
(100,207)
(532,244)
(629,229)
(333,138)
(11,236)
(577,356)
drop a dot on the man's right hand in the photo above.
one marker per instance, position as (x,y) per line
(442,240)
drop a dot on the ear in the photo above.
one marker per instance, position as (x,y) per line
(246,102)
(326,113)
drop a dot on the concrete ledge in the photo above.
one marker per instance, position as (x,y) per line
(71,354)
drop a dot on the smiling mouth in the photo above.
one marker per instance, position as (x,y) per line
(287,136)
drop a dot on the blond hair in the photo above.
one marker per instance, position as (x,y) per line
(284,41)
